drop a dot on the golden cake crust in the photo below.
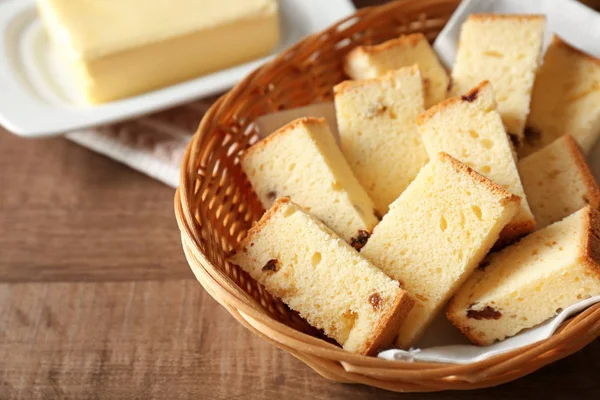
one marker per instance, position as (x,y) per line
(591,241)
(517,227)
(386,331)
(411,39)
(514,231)
(261,223)
(282,131)
(350,85)
(516,17)
(469,97)
(505,196)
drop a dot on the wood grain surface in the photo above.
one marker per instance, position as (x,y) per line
(97,300)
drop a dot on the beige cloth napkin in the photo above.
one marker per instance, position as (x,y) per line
(153,144)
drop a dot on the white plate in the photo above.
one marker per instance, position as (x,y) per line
(38,98)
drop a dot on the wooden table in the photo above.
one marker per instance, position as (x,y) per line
(97,300)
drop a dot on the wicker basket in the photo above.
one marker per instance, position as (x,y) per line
(215,206)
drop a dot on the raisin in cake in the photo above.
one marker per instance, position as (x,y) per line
(378,132)
(504,49)
(302,262)
(436,234)
(527,283)
(565,99)
(302,161)
(365,62)
(558,181)
(470,129)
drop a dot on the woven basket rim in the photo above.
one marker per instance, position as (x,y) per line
(325,358)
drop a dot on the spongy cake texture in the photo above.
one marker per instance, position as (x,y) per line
(302,161)
(470,129)
(558,181)
(565,99)
(301,261)
(436,234)
(504,49)
(529,282)
(365,62)
(378,132)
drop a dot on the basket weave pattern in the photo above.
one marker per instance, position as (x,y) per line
(215,206)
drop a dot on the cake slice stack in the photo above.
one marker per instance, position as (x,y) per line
(470,129)
(527,283)
(365,62)
(504,49)
(302,262)
(435,235)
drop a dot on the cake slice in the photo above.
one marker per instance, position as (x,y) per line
(378,132)
(565,99)
(504,49)
(436,234)
(302,161)
(529,282)
(366,62)
(558,181)
(302,262)
(470,129)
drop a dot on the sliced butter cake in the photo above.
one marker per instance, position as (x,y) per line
(302,262)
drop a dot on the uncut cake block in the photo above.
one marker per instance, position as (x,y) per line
(565,99)
(531,281)
(302,262)
(365,62)
(302,161)
(470,129)
(378,132)
(558,181)
(436,234)
(121,48)
(504,49)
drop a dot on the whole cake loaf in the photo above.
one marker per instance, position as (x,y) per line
(120,48)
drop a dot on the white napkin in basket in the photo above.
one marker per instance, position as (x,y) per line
(456,350)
